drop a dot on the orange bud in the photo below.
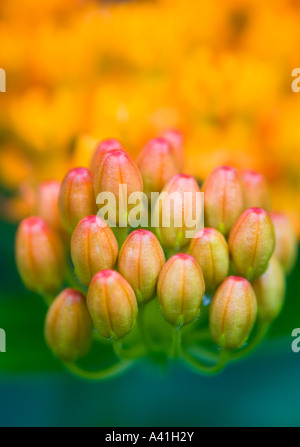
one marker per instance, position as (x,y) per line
(223,198)
(101,149)
(256,192)
(39,256)
(117,168)
(140,262)
(180,289)
(157,165)
(178,217)
(76,197)
(232,312)
(286,241)
(269,290)
(210,250)
(112,304)
(175,139)
(68,326)
(251,243)
(47,203)
(93,248)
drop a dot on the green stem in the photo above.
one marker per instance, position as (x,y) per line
(176,343)
(106,373)
(133,353)
(208,369)
(72,280)
(121,234)
(48,298)
(261,332)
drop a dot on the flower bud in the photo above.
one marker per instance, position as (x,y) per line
(39,256)
(93,248)
(76,197)
(117,168)
(157,165)
(232,312)
(251,243)
(68,326)
(101,149)
(175,139)
(178,213)
(286,241)
(269,291)
(210,250)
(112,304)
(256,192)
(223,198)
(140,262)
(180,289)
(47,203)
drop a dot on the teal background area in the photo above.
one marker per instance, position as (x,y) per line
(262,389)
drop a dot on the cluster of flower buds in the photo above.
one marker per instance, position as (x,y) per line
(230,257)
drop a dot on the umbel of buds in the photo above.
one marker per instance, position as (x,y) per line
(251,243)
(170,274)
(140,262)
(232,312)
(180,289)
(112,304)
(93,248)
(39,256)
(68,326)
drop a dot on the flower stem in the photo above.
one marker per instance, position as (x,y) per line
(176,343)
(105,373)
(261,332)
(208,369)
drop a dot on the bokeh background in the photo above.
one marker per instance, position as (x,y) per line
(81,70)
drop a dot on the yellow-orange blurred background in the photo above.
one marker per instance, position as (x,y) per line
(218,70)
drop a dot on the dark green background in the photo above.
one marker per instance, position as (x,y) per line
(263,389)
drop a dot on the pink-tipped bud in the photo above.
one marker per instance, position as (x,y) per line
(178,212)
(286,241)
(39,256)
(180,289)
(140,262)
(251,243)
(269,291)
(175,139)
(256,192)
(232,313)
(112,304)
(117,168)
(93,248)
(76,197)
(101,149)
(210,250)
(157,165)
(223,198)
(68,326)
(47,203)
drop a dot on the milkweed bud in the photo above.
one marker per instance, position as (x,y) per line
(39,256)
(286,241)
(180,289)
(157,165)
(76,197)
(140,262)
(232,313)
(175,139)
(117,168)
(101,149)
(269,291)
(112,304)
(178,212)
(256,192)
(47,203)
(68,326)
(93,248)
(251,243)
(223,198)
(210,250)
